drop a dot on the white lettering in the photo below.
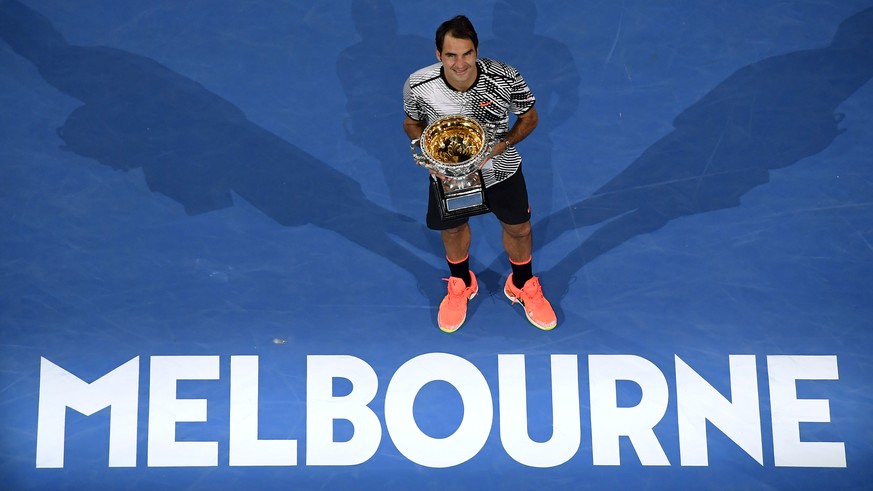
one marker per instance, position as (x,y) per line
(609,422)
(614,420)
(322,408)
(787,411)
(698,402)
(165,411)
(475,426)
(245,447)
(59,389)
(566,420)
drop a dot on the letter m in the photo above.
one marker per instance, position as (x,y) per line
(59,389)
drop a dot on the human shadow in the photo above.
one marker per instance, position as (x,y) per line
(198,148)
(765,116)
(549,69)
(552,74)
(372,72)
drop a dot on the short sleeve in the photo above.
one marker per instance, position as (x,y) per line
(521,98)
(410,103)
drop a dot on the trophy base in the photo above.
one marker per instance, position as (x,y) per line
(461,202)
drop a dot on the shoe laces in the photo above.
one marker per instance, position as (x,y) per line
(457,290)
(533,292)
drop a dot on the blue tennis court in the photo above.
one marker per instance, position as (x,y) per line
(215,271)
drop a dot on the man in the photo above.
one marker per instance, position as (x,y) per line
(487,90)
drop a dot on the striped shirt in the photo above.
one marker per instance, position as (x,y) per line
(499,89)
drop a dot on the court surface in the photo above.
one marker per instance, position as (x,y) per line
(215,274)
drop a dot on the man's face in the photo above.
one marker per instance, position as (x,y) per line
(459,62)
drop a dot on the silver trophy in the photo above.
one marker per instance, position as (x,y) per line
(455,148)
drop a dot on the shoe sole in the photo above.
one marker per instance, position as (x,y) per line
(449,331)
(515,300)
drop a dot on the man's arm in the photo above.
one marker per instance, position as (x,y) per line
(413,128)
(522,127)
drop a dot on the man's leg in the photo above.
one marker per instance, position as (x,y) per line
(521,286)
(517,240)
(462,281)
(457,242)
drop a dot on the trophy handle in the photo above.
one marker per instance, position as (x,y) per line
(419,157)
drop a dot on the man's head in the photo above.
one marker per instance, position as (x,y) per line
(456,48)
(374,18)
(458,27)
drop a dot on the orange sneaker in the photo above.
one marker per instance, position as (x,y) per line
(537,309)
(453,308)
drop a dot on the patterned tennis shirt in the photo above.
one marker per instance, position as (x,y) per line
(499,89)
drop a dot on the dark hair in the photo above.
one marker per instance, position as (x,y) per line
(459,27)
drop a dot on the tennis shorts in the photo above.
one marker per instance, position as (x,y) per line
(507,200)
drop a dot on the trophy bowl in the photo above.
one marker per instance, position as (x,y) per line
(453,146)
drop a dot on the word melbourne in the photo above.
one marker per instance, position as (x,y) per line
(697,404)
